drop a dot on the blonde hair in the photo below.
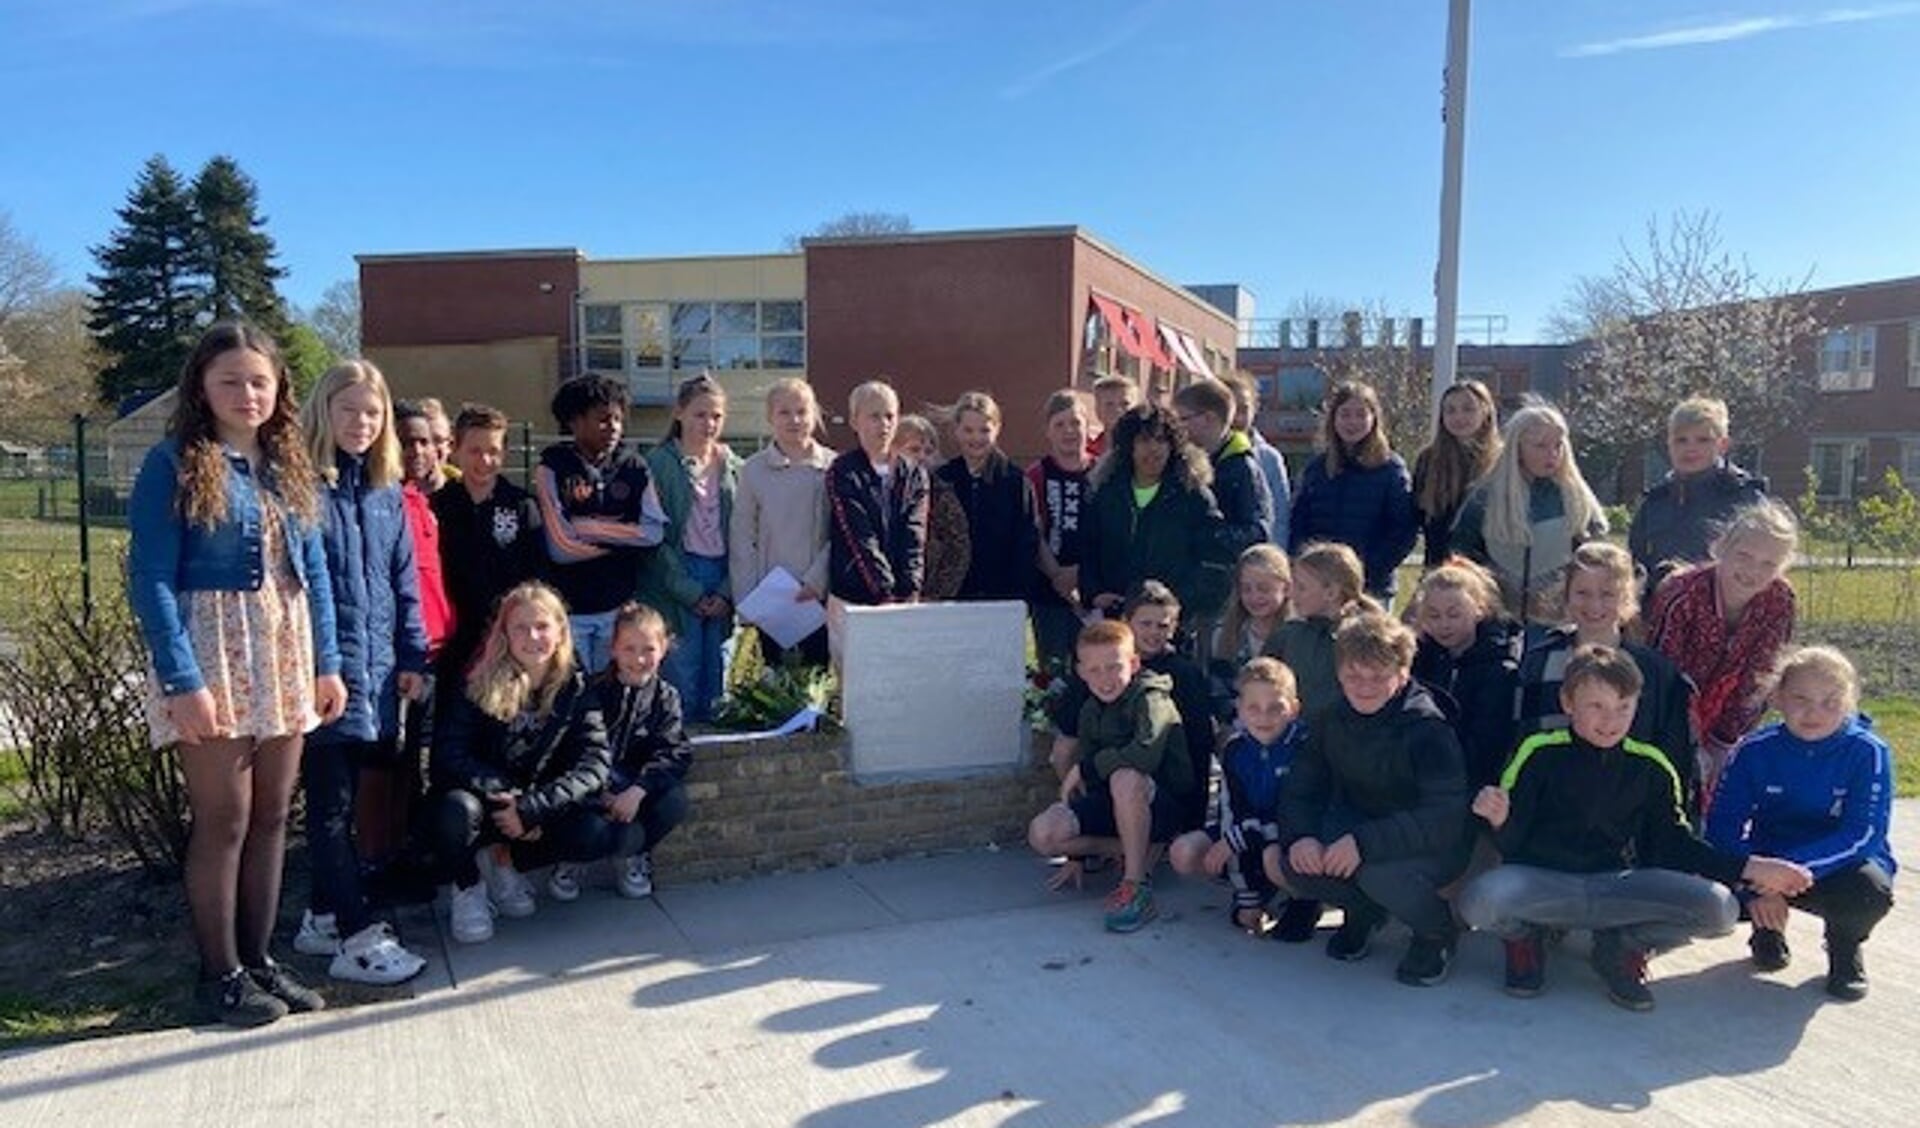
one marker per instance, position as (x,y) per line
(1507,512)
(1257,558)
(1449,465)
(1699,411)
(1764,518)
(1817,661)
(1337,566)
(638,616)
(383,457)
(869,392)
(1269,671)
(498,684)
(1616,563)
(797,388)
(1374,638)
(980,403)
(1117,383)
(1457,573)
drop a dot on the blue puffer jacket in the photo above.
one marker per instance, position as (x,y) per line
(1368,509)
(376,601)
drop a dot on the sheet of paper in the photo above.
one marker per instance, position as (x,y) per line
(771,606)
(803,721)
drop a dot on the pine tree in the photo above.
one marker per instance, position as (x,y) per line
(236,253)
(148,293)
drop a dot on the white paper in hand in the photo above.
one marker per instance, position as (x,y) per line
(771,606)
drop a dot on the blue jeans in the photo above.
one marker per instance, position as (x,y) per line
(331,774)
(695,665)
(1656,909)
(593,640)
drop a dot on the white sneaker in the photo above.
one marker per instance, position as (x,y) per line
(512,893)
(472,914)
(634,875)
(318,935)
(563,884)
(374,955)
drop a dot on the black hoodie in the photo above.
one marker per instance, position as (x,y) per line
(1480,684)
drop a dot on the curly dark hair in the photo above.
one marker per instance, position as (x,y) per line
(1187,467)
(582,394)
(285,467)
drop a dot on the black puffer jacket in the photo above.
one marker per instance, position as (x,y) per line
(1175,539)
(1480,683)
(1393,779)
(556,763)
(1002,536)
(646,732)
(1678,517)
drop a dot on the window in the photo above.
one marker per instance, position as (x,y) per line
(1838,465)
(734,335)
(1846,359)
(1913,354)
(600,340)
(1910,462)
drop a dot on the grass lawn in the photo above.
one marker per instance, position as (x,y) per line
(1897,720)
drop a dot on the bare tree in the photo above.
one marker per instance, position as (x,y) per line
(857,223)
(1357,346)
(336,318)
(1680,315)
(27,276)
(47,358)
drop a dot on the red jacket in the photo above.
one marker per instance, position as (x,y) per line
(435,612)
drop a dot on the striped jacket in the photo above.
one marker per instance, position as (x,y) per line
(1824,803)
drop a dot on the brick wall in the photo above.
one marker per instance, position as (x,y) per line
(770,806)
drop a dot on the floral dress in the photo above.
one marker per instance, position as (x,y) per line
(254,650)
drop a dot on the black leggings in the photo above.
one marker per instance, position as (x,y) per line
(459,825)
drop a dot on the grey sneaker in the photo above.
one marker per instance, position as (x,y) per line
(634,875)
(237,1000)
(277,981)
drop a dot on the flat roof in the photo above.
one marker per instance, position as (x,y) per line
(461,256)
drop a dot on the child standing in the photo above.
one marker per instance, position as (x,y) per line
(643,800)
(228,579)
(1262,581)
(1327,587)
(1113,396)
(1273,466)
(1061,493)
(1471,654)
(1531,511)
(877,507)
(1725,623)
(1205,409)
(518,758)
(695,476)
(1592,835)
(780,511)
(1002,538)
(383,648)
(1675,523)
(1817,789)
(490,537)
(1126,791)
(1598,601)
(949,539)
(1253,771)
(1153,518)
(598,508)
(1465,445)
(1357,492)
(1375,811)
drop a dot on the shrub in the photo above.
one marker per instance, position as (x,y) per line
(73,698)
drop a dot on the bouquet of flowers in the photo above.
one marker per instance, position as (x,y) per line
(1045,686)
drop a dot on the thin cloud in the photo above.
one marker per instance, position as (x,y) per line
(1132,25)
(1727,31)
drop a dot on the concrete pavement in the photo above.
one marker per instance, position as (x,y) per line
(954,990)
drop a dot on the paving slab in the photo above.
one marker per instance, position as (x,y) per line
(881,1009)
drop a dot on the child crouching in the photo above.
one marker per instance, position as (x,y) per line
(1253,767)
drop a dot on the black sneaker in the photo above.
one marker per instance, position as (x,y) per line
(1846,972)
(1769,947)
(1623,970)
(1427,962)
(1526,966)
(1353,940)
(237,1000)
(277,981)
(1297,922)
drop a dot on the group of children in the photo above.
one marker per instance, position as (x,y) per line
(1513,757)
(335,594)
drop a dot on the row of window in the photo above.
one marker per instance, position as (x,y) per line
(1840,465)
(649,338)
(1847,357)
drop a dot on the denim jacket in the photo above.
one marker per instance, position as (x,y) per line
(170,556)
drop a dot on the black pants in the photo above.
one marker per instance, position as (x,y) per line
(330,773)
(1406,888)
(460,825)
(809,651)
(1850,901)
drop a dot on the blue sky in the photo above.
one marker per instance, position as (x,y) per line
(1292,147)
